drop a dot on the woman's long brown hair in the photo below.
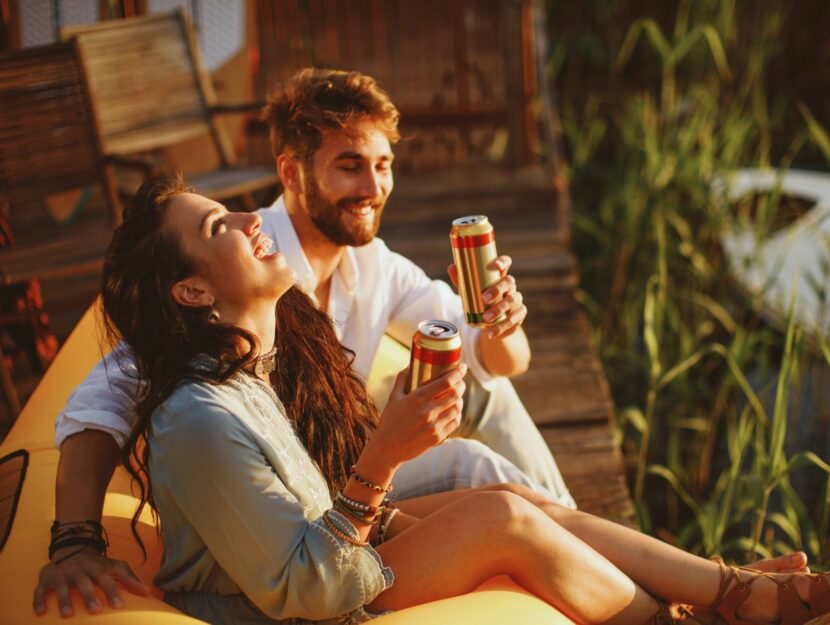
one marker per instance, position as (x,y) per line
(325,400)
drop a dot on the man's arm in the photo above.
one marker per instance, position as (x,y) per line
(86,464)
(89,432)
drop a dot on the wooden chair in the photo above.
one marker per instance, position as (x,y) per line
(49,143)
(151,91)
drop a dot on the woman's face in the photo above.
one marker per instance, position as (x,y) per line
(231,253)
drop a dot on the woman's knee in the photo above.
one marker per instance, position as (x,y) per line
(525,492)
(503,511)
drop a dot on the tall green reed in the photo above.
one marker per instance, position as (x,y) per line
(690,362)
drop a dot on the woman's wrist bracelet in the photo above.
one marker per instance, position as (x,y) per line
(332,526)
(366,483)
(372,520)
(385,522)
(358,505)
(363,512)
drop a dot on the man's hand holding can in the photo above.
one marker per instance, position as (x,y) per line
(488,292)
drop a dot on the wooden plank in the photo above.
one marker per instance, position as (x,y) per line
(591,464)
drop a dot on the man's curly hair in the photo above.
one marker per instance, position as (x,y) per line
(313,101)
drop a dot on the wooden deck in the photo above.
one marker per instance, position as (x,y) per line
(565,389)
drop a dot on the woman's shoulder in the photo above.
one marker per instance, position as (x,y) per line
(199,405)
(237,403)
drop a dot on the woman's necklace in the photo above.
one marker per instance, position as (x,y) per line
(263,364)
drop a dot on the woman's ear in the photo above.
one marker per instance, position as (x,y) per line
(288,169)
(193,292)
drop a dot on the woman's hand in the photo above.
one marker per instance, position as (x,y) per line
(412,423)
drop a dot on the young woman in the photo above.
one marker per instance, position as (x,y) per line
(269,467)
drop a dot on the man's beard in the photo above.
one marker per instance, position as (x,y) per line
(325,215)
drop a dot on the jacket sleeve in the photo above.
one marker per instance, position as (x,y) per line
(252,525)
(105,400)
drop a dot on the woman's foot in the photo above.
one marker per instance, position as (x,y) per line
(795,562)
(748,597)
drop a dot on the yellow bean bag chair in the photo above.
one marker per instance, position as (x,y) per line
(28,462)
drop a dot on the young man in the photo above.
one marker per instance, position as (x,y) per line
(331,135)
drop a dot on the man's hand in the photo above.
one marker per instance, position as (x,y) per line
(501,297)
(84,571)
(503,349)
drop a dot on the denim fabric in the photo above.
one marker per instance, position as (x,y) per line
(463,463)
(241,503)
(507,428)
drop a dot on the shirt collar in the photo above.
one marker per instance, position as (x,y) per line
(349,270)
(288,243)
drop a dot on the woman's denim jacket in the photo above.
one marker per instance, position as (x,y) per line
(240,503)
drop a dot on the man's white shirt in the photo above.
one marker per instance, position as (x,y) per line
(373,290)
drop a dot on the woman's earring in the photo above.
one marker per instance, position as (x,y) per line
(213,316)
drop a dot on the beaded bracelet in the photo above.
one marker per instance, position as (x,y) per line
(371,521)
(359,505)
(340,533)
(370,485)
(386,520)
(362,511)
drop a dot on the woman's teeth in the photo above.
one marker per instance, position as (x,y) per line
(263,248)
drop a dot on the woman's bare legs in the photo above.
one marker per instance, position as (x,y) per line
(661,570)
(484,534)
(665,571)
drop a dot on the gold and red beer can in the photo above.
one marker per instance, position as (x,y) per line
(436,349)
(473,249)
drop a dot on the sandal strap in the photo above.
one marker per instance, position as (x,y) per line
(820,594)
(732,599)
(723,584)
(792,608)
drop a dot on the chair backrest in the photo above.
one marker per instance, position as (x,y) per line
(148,83)
(464,73)
(48,137)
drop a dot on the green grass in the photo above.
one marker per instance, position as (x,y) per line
(703,387)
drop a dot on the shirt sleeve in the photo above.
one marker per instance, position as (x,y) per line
(104,401)
(416,298)
(251,523)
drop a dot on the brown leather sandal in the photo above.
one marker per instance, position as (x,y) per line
(663,616)
(793,610)
(674,614)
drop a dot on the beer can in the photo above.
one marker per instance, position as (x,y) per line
(436,348)
(473,249)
